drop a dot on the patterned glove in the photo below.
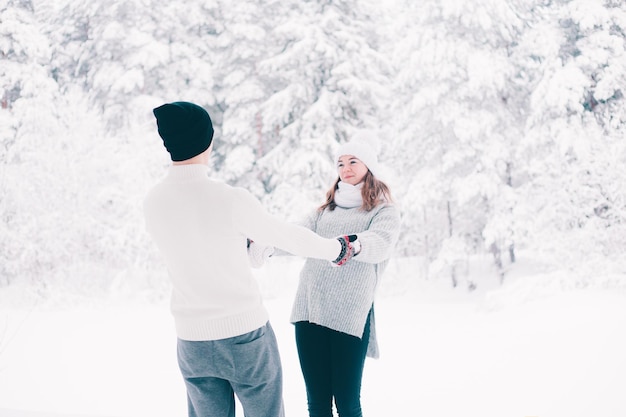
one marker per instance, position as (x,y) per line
(350,247)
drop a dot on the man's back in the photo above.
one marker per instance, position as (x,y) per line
(193,221)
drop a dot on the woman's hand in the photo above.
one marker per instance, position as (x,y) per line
(350,247)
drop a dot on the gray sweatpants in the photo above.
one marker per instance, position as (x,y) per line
(247,366)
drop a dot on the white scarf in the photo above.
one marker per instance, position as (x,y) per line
(348,195)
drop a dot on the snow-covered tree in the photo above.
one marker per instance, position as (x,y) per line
(501,122)
(575,129)
(240,45)
(328,79)
(27,114)
(458,118)
(130,55)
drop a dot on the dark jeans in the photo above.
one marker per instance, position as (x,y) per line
(332,366)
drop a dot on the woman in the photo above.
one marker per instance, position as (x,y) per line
(333,310)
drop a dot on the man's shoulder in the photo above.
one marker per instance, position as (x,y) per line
(212,189)
(227,190)
(152,193)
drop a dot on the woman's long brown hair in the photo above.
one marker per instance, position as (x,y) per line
(373,192)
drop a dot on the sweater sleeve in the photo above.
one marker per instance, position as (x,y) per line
(310,220)
(254,222)
(380,238)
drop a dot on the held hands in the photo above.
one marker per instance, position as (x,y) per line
(350,247)
(258,254)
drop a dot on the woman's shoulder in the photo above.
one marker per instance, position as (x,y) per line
(388,206)
(387,209)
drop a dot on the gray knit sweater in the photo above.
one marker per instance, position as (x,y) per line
(341,298)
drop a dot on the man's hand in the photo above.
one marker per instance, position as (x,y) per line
(258,254)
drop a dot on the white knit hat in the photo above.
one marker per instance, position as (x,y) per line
(363,145)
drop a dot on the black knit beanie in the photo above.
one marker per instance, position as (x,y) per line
(185,128)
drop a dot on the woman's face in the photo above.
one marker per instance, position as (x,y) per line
(351,170)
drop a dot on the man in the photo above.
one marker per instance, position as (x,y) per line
(226,345)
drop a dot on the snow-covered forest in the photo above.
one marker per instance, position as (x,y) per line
(502,130)
(501,124)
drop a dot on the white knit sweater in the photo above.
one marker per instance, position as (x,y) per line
(341,298)
(200,227)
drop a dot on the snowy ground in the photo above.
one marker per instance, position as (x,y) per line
(492,353)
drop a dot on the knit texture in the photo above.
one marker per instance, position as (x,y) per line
(341,298)
(200,227)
